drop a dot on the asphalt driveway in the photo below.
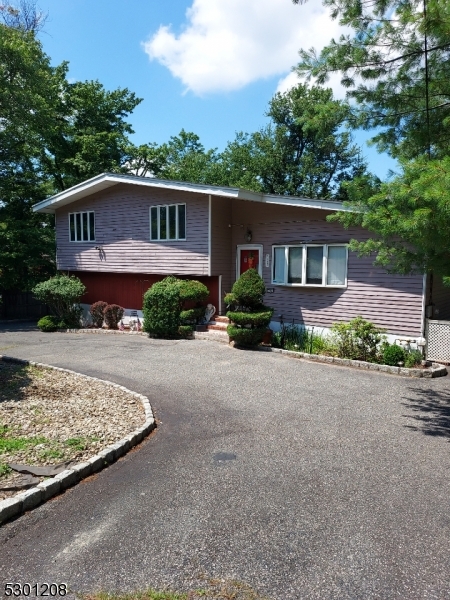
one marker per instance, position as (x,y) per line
(335,485)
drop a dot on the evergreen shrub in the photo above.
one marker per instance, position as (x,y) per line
(48,323)
(392,354)
(97,312)
(248,315)
(62,293)
(113,314)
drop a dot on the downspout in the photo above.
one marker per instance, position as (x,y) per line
(424,302)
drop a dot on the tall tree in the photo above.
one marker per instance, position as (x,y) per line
(396,65)
(53,134)
(306,150)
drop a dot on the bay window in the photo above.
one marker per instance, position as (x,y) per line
(323,265)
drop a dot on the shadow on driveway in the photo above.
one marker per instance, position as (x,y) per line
(431,410)
(13,326)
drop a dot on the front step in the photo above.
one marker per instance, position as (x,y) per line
(218,323)
(220,319)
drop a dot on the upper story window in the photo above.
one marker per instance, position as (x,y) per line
(82,226)
(168,222)
(310,265)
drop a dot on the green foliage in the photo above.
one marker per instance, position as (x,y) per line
(382,65)
(4,469)
(255,319)
(230,301)
(48,323)
(249,324)
(192,315)
(391,354)
(413,358)
(53,134)
(162,308)
(358,339)
(306,150)
(249,289)
(97,311)
(185,331)
(298,338)
(246,337)
(192,291)
(113,313)
(62,293)
(410,218)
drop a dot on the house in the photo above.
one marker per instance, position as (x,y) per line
(120,233)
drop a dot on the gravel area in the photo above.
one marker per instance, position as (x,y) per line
(48,416)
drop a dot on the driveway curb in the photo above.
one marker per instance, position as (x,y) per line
(24,501)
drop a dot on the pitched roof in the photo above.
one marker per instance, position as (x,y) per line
(106,180)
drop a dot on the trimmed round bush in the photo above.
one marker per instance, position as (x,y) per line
(392,355)
(62,293)
(97,312)
(249,289)
(192,290)
(162,308)
(185,330)
(255,319)
(113,313)
(246,337)
(48,323)
(192,315)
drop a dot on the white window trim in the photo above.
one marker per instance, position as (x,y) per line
(304,254)
(166,206)
(82,212)
(248,247)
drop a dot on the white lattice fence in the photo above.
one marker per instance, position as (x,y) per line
(438,341)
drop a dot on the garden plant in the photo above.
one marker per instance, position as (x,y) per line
(113,314)
(97,312)
(168,310)
(248,315)
(62,293)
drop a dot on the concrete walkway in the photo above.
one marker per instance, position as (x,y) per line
(333,483)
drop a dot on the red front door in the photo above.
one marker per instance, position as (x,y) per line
(249,259)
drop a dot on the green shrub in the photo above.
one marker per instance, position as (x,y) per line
(192,290)
(255,319)
(413,358)
(48,323)
(162,308)
(300,339)
(185,330)
(246,337)
(358,339)
(97,312)
(391,354)
(113,313)
(230,301)
(62,293)
(192,315)
(249,289)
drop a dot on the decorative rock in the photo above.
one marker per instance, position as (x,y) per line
(20,482)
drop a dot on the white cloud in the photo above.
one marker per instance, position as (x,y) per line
(292,79)
(227,44)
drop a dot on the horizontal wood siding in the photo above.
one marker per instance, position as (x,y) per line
(390,301)
(221,241)
(128,289)
(122,226)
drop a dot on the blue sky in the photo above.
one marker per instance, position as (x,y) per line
(208,66)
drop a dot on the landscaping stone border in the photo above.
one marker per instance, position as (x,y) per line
(436,369)
(24,501)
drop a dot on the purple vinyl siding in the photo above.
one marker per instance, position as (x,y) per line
(221,241)
(122,229)
(390,301)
